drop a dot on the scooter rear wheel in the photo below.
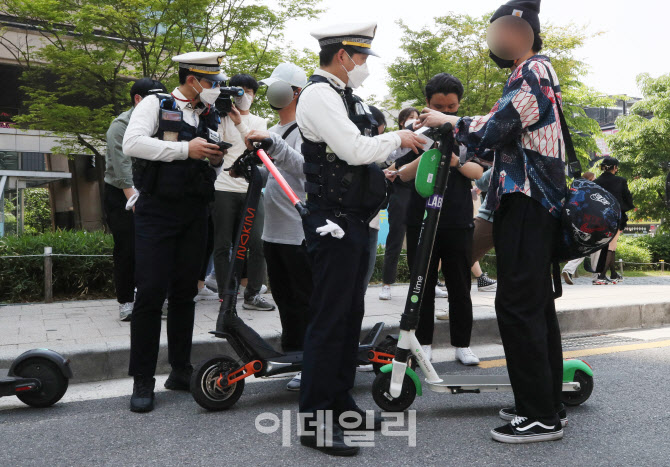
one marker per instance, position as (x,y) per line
(53,382)
(205,390)
(383,398)
(573,399)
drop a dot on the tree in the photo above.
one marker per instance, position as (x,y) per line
(457,45)
(642,145)
(76,80)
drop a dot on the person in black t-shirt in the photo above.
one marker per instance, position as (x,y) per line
(453,242)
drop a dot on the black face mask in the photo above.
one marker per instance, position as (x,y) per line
(502,63)
(450,113)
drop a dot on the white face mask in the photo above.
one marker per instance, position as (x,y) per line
(208,95)
(357,75)
(244,102)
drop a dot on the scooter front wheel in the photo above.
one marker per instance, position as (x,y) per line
(383,398)
(573,399)
(205,390)
(53,383)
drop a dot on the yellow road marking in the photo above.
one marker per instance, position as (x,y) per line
(589,352)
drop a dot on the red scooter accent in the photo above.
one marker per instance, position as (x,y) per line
(241,373)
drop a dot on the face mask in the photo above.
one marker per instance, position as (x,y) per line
(502,63)
(208,95)
(244,103)
(450,113)
(357,75)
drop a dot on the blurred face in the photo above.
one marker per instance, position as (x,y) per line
(509,37)
(444,102)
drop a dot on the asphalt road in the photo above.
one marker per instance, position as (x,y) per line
(626,422)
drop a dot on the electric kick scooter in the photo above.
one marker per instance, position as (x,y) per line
(218,383)
(396,385)
(38,377)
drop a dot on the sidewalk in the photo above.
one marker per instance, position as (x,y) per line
(90,334)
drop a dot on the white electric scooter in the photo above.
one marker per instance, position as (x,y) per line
(396,386)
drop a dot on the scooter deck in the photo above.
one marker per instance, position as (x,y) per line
(459,384)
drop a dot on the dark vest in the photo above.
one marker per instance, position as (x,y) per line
(177,180)
(333,184)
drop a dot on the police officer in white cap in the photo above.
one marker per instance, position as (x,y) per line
(175,142)
(289,268)
(345,190)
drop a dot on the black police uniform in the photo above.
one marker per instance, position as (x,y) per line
(170,241)
(349,196)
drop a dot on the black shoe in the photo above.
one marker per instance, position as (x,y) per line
(375,425)
(567,277)
(179,380)
(616,277)
(509,414)
(142,399)
(527,430)
(322,442)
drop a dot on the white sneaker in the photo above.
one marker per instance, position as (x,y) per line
(466,357)
(294,384)
(210,282)
(125,311)
(439,293)
(264,289)
(385,294)
(428,350)
(442,315)
(206,294)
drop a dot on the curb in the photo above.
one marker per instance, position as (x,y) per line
(103,362)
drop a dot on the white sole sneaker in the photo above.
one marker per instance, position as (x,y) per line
(536,438)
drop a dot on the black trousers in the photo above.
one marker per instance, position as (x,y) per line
(525,234)
(122,226)
(290,275)
(454,248)
(397,213)
(170,241)
(336,312)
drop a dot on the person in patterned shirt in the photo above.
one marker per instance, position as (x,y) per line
(527,191)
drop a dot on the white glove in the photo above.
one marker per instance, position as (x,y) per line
(132,200)
(331,228)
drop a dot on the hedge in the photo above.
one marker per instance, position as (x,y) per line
(22,279)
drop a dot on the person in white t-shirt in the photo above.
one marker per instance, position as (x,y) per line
(227,211)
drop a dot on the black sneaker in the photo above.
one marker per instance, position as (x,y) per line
(567,277)
(486,284)
(616,278)
(329,440)
(376,424)
(179,380)
(509,414)
(142,399)
(526,430)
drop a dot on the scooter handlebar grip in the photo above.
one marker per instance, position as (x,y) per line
(302,210)
(446,129)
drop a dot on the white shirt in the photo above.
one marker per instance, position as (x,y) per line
(235,135)
(322,117)
(139,141)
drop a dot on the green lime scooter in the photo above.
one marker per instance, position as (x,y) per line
(396,385)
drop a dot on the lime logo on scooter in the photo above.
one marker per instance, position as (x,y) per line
(434,202)
(415,298)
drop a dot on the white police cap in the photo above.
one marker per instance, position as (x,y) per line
(356,35)
(205,64)
(288,73)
